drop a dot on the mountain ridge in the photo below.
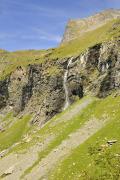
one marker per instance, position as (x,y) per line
(78,27)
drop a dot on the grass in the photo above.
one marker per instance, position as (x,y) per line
(80,160)
(14,134)
(78,27)
(79,45)
(53,70)
(99,109)
(7,120)
(11,60)
(61,130)
(7,117)
(53,127)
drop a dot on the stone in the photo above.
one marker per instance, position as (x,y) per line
(9,171)
(111,142)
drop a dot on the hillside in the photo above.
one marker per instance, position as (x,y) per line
(77,28)
(59,108)
(58,150)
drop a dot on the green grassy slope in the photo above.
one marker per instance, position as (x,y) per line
(14,132)
(99,109)
(82,160)
(58,126)
(108,31)
(10,60)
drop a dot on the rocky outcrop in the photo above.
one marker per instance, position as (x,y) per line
(18,79)
(98,68)
(39,88)
(76,28)
(4,94)
(33,89)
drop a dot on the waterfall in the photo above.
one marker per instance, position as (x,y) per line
(67,101)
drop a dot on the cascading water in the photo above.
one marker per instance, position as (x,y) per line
(67,101)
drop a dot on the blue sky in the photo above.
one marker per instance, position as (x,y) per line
(39,24)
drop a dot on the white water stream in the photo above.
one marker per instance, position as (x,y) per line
(67,101)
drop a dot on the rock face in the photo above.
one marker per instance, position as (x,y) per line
(39,88)
(4,92)
(76,28)
(9,171)
(96,71)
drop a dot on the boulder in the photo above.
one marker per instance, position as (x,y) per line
(9,171)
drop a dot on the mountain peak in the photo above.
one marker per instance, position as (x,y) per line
(76,28)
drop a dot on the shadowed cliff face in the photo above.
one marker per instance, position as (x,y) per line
(4,94)
(76,28)
(38,90)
